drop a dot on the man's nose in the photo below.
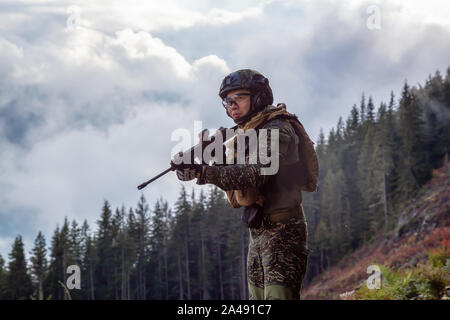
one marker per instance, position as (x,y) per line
(233,103)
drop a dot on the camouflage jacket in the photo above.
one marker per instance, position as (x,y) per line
(277,189)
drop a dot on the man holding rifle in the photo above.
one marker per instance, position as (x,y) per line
(278,251)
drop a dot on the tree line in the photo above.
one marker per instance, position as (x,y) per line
(369,166)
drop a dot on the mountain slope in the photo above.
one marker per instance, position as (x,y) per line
(423,227)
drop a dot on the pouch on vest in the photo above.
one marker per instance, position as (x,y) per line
(242,198)
(252,216)
(252,201)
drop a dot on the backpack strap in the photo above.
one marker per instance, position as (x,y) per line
(308,165)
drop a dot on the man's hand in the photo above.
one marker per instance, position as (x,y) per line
(187,172)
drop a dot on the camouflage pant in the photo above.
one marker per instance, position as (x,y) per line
(277,260)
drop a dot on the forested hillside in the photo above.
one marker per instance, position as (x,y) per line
(371,165)
(413,257)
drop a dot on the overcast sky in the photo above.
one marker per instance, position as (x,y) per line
(91,91)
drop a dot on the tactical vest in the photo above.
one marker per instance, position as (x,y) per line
(302,174)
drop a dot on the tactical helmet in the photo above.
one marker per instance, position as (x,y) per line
(251,80)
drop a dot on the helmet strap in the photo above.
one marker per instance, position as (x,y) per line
(249,115)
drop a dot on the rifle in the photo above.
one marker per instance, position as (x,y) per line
(197,149)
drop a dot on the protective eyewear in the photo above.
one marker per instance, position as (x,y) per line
(235,98)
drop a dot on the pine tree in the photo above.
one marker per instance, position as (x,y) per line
(129,253)
(3,277)
(352,123)
(117,247)
(332,208)
(89,262)
(182,235)
(39,264)
(446,89)
(393,144)
(216,206)
(383,157)
(142,235)
(104,270)
(322,240)
(157,254)
(370,111)
(18,281)
(60,259)
(362,109)
(366,183)
(75,243)
(414,170)
(437,120)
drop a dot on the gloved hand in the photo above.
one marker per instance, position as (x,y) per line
(187,172)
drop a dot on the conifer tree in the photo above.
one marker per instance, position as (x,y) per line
(18,281)
(182,235)
(370,111)
(142,234)
(362,109)
(3,276)
(39,264)
(413,170)
(89,262)
(60,259)
(383,163)
(322,239)
(117,247)
(158,256)
(104,269)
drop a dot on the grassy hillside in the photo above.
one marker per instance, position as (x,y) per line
(413,259)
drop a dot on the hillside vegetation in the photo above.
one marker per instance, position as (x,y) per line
(413,258)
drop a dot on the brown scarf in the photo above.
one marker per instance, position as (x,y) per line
(238,198)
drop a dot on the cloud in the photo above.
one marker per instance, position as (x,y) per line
(86,113)
(71,82)
(5,247)
(87,117)
(72,173)
(321,61)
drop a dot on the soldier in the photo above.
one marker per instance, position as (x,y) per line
(278,251)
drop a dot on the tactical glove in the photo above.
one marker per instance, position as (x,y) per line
(187,172)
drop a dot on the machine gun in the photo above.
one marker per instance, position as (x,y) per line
(191,153)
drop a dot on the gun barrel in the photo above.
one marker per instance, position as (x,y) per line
(189,152)
(143,185)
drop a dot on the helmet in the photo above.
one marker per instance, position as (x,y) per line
(251,80)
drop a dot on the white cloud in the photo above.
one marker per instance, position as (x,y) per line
(106,120)
(72,173)
(95,106)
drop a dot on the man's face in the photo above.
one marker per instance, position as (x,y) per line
(241,105)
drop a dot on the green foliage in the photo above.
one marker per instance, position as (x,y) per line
(440,257)
(370,168)
(3,275)
(426,281)
(18,281)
